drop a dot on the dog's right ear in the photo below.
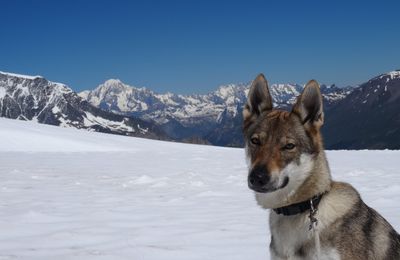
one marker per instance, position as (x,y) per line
(259,98)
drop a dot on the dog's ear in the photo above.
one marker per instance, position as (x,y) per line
(309,105)
(259,98)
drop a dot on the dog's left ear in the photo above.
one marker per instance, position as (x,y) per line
(309,105)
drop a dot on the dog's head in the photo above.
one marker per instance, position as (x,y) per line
(281,146)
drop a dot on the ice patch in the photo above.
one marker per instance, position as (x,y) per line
(2,92)
(56,110)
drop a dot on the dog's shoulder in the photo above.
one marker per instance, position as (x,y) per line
(343,191)
(340,202)
(341,198)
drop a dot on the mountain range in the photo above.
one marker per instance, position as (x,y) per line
(364,116)
(37,99)
(214,118)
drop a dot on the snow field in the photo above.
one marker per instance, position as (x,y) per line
(70,194)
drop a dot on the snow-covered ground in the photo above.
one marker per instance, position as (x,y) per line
(70,194)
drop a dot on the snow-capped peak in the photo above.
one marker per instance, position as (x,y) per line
(20,75)
(118,86)
(112,82)
(394,74)
(389,75)
(12,78)
(224,91)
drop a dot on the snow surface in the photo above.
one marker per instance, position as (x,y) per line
(72,194)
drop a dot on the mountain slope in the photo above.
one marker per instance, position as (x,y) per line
(37,99)
(368,118)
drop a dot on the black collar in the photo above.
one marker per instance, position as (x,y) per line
(299,207)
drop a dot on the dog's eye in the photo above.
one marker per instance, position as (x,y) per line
(289,146)
(255,140)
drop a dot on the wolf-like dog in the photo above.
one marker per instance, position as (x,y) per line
(311,216)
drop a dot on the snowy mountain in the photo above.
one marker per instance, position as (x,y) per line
(369,117)
(188,116)
(69,194)
(37,99)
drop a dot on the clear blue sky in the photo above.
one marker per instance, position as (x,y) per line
(194,46)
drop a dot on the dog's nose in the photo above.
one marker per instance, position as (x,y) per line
(258,178)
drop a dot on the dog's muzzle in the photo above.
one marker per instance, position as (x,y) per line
(259,180)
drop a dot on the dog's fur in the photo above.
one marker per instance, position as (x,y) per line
(287,165)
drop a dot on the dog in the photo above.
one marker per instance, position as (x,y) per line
(311,216)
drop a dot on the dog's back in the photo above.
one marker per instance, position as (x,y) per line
(313,216)
(362,233)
